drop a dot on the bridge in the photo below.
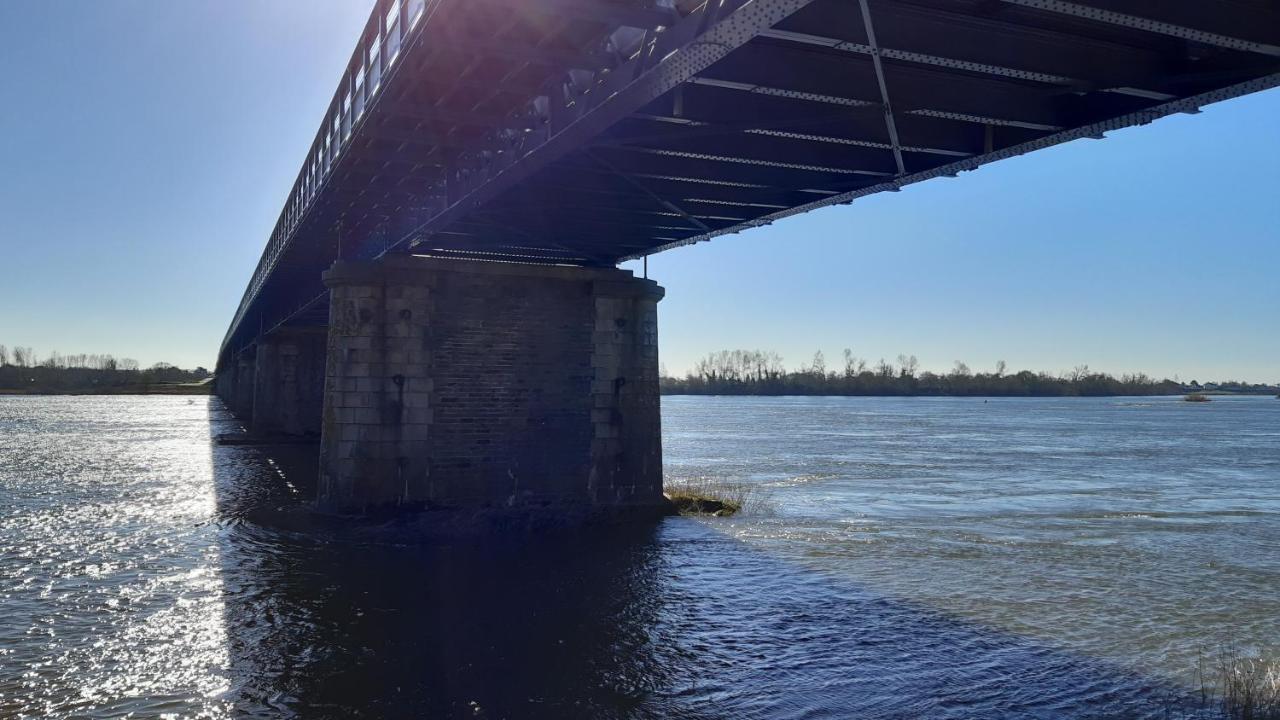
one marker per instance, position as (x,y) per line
(439,300)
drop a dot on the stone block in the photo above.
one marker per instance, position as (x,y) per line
(417,399)
(418,415)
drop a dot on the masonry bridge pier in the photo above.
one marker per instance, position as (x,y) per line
(439,303)
(447,383)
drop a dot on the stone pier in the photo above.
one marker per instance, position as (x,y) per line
(224,383)
(289,377)
(242,394)
(469,384)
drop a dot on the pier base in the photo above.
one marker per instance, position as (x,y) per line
(469,384)
(242,395)
(289,377)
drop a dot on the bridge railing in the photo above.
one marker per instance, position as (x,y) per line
(386,35)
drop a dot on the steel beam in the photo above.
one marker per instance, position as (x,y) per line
(619,96)
(1093,130)
(1135,22)
(609,13)
(667,204)
(923,58)
(706,108)
(845,79)
(885,103)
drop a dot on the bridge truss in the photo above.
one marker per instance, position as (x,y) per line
(595,131)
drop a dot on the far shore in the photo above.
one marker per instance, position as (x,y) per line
(175,389)
(1172,396)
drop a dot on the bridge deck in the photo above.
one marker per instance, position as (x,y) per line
(592,131)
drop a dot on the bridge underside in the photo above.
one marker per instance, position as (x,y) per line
(586,132)
(589,131)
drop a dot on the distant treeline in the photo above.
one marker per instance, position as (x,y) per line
(22,370)
(755,372)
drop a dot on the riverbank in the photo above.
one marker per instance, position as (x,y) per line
(99,375)
(681,387)
(756,372)
(200,388)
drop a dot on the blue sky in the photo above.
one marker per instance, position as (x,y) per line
(148,147)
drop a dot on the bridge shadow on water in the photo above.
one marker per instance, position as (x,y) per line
(665,620)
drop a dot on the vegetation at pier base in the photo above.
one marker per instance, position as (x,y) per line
(1241,686)
(1196,397)
(710,496)
(24,372)
(1234,685)
(756,372)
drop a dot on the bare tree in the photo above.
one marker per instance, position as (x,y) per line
(961,370)
(909,366)
(738,366)
(127,364)
(1000,368)
(853,365)
(819,367)
(884,369)
(4,356)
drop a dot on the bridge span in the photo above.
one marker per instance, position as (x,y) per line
(439,302)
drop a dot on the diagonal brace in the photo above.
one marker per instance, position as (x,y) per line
(889,122)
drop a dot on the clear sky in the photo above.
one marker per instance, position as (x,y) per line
(147,148)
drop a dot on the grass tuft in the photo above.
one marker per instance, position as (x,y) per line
(1241,686)
(715,497)
(1197,397)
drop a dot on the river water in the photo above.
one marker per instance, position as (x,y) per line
(914,558)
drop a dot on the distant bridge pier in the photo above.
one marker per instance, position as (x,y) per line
(224,384)
(288,381)
(459,383)
(242,391)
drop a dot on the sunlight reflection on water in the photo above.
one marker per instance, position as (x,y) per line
(110,576)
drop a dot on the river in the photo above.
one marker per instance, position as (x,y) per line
(911,558)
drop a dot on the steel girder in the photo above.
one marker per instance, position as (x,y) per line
(593,131)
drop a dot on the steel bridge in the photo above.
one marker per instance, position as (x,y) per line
(554,133)
(595,131)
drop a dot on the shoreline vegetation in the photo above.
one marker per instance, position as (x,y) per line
(757,372)
(22,372)
(727,372)
(714,497)
(1240,684)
